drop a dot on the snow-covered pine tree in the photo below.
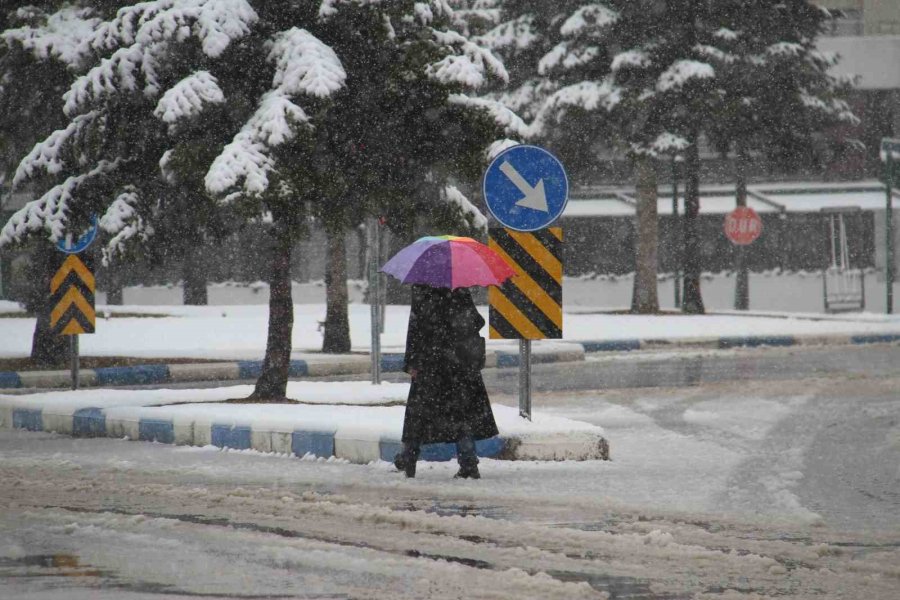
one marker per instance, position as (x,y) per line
(39,56)
(248,98)
(405,129)
(663,73)
(773,89)
(627,69)
(522,32)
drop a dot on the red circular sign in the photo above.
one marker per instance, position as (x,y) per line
(743,225)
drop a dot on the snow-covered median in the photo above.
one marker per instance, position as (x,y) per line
(353,420)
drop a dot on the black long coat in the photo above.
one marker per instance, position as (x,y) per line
(447,396)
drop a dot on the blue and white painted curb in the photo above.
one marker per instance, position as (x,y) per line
(321,366)
(314,366)
(722,343)
(154,424)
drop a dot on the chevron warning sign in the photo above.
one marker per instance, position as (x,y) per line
(72,297)
(528,306)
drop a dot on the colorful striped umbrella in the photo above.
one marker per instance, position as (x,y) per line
(448,261)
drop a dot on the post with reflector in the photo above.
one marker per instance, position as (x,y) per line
(526,190)
(72,291)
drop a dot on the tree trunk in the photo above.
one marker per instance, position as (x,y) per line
(272,382)
(46,348)
(692,302)
(193,277)
(742,279)
(115,288)
(337,324)
(644,297)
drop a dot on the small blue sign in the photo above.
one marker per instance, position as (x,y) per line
(82,242)
(526,188)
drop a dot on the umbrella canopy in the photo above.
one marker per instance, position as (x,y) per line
(448,261)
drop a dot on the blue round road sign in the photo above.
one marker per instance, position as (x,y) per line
(526,188)
(82,242)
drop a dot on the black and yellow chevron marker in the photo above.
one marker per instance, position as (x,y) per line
(72,297)
(529,305)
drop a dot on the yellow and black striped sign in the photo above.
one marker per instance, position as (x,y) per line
(529,305)
(72,297)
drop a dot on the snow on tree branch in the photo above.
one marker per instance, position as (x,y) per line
(46,155)
(566,56)
(470,68)
(715,53)
(518,34)
(216,23)
(422,10)
(527,98)
(50,211)
(499,146)
(785,49)
(188,97)
(668,142)
(304,65)
(585,95)
(586,18)
(726,34)
(245,161)
(630,58)
(123,222)
(502,115)
(470,212)
(112,76)
(60,38)
(833,107)
(681,72)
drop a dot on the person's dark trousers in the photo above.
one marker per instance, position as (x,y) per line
(468,460)
(406,460)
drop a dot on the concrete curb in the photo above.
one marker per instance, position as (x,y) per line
(143,423)
(722,343)
(250,369)
(315,366)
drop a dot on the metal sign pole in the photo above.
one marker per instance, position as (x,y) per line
(675,241)
(889,234)
(525,379)
(374,296)
(73,348)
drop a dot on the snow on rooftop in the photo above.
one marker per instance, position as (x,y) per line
(793,197)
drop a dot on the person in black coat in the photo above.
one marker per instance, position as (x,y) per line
(447,399)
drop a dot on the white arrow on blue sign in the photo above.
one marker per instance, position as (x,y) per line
(526,188)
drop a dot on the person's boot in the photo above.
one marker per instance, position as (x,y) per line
(406,460)
(468,460)
(468,471)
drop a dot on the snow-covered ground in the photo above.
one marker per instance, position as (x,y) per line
(784,292)
(714,492)
(232,328)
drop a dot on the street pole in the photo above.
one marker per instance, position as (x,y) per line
(73,351)
(676,238)
(889,233)
(525,379)
(374,299)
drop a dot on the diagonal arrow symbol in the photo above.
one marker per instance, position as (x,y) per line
(72,263)
(535,197)
(73,296)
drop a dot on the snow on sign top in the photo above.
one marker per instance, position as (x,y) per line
(526,188)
